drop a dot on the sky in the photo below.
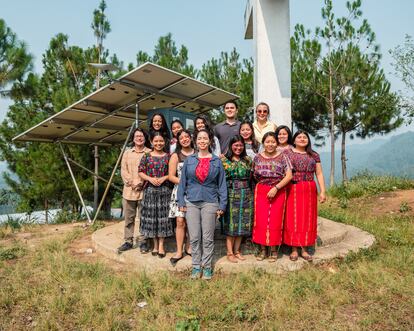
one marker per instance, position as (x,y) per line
(206,28)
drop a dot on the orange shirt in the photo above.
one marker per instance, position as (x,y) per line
(129,173)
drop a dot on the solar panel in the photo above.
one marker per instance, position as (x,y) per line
(104,116)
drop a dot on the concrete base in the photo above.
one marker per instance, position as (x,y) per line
(334,240)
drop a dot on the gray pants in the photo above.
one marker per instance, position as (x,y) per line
(201,223)
(132,212)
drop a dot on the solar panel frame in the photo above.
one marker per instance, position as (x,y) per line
(111,109)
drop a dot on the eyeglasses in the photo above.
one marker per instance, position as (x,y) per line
(260,111)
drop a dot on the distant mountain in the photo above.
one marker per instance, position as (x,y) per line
(392,156)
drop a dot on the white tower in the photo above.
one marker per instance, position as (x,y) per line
(267,22)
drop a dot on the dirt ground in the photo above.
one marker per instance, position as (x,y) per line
(391,203)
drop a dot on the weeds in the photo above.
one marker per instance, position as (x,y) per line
(12,253)
(367,184)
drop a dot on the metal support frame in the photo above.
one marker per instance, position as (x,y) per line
(113,174)
(94,174)
(75,183)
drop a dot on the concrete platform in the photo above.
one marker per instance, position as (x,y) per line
(334,240)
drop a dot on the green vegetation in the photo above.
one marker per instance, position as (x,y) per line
(368,184)
(48,288)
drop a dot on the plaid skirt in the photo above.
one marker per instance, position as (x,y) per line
(154,213)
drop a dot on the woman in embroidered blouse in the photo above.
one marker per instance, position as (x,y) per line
(202,122)
(153,168)
(202,194)
(284,138)
(176,126)
(301,209)
(272,172)
(247,133)
(237,220)
(262,125)
(184,148)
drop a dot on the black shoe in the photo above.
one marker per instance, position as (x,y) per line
(161,255)
(124,247)
(189,254)
(143,247)
(174,260)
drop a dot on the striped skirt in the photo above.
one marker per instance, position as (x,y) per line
(301,215)
(154,213)
(237,220)
(268,216)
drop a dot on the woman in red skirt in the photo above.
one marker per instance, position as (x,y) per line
(272,172)
(301,209)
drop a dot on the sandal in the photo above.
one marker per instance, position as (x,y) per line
(273,256)
(232,258)
(294,256)
(261,256)
(239,256)
(306,256)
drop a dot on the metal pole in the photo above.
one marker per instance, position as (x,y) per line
(92,173)
(95,179)
(75,183)
(136,114)
(113,174)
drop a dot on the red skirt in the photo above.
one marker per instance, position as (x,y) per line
(301,215)
(268,216)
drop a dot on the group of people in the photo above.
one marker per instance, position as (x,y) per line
(255,178)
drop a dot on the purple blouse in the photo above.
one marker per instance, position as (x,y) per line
(303,165)
(270,171)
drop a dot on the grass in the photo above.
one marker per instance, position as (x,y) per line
(367,184)
(49,289)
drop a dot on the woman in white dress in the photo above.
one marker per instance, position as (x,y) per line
(184,148)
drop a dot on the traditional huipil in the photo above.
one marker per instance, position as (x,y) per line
(301,209)
(155,204)
(269,214)
(237,220)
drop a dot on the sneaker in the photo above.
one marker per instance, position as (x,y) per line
(143,247)
(207,273)
(124,247)
(195,273)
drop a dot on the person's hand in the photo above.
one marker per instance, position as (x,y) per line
(272,193)
(162,180)
(155,181)
(138,187)
(322,197)
(219,212)
(182,209)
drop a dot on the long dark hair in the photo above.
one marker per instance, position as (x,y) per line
(210,136)
(166,148)
(146,137)
(164,127)
(255,144)
(267,134)
(207,127)
(230,154)
(179,147)
(308,147)
(171,125)
(286,128)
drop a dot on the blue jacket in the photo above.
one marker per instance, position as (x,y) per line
(213,189)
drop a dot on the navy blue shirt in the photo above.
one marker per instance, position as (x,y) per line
(213,189)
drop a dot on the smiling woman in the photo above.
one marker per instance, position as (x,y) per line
(202,194)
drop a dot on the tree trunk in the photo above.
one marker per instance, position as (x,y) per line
(332,130)
(46,211)
(343,158)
